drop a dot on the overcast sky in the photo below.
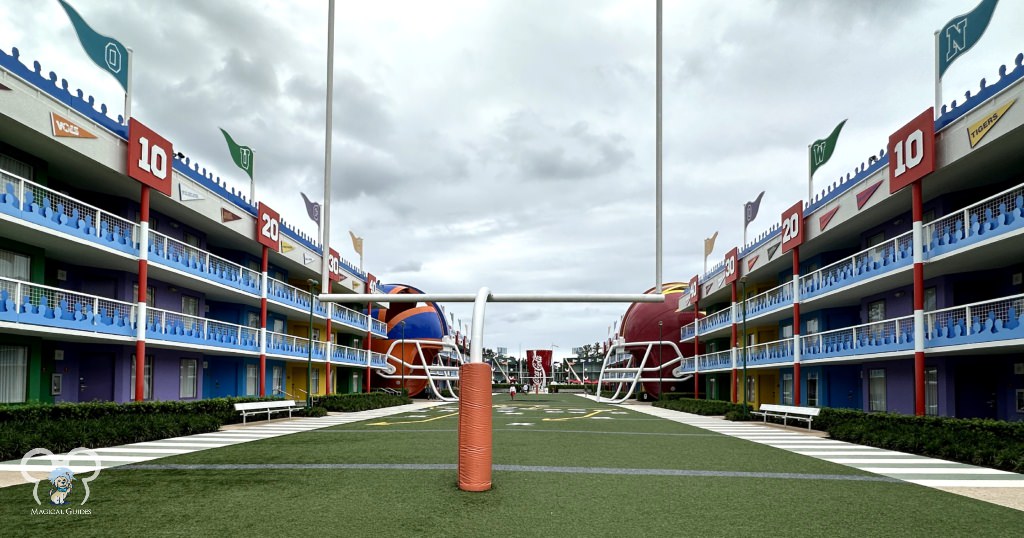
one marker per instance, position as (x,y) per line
(510,144)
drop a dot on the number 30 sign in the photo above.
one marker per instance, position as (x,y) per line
(912,151)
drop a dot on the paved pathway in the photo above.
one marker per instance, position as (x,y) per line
(977,482)
(230,435)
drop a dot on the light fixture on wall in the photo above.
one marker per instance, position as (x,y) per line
(172,289)
(898,294)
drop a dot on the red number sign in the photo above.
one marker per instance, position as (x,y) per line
(912,151)
(732,266)
(693,291)
(149,157)
(334,266)
(268,227)
(792,227)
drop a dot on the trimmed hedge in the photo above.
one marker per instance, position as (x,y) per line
(221,408)
(983,442)
(360,402)
(700,407)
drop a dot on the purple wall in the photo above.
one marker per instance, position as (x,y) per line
(899,383)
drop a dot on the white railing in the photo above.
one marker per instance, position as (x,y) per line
(866,261)
(688,331)
(49,204)
(985,317)
(378,360)
(769,352)
(875,337)
(197,258)
(350,316)
(716,360)
(348,354)
(64,308)
(722,317)
(279,342)
(779,295)
(378,327)
(177,324)
(978,219)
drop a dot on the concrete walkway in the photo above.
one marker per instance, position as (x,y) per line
(991,485)
(231,434)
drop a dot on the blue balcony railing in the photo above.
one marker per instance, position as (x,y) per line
(715,321)
(996,215)
(987,321)
(885,336)
(32,304)
(770,301)
(868,263)
(716,361)
(171,326)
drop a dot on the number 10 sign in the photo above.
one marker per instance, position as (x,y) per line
(149,157)
(912,151)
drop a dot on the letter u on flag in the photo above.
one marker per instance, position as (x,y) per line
(750,210)
(106,52)
(312,208)
(961,33)
(821,150)
(357,243)
(242,155)
(709,244)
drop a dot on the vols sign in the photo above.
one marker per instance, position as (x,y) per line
(732,266)
(792,227)
(334,266)
(149,157)
(268,227)
(912,151)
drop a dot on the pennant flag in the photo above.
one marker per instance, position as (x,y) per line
(865,195)
(981,128)
(962,32)
(227,216)
(357,243)
(106,52)
(773,249)
(821,150)
(65,128)
(827,218)
(709,244)
(4,88)
(286,246)
(312,208)
(242,155)
(750,210)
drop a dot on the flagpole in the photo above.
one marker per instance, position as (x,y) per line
(810,177)
(325,215)
(128,90)
(658,253)
(938,79)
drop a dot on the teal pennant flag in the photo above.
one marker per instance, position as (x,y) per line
(242,155)
(106,52)
(821,150)
(960,34)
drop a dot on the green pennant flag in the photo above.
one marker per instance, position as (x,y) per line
(821,150)
(961,33)
(106,52)
(242,155)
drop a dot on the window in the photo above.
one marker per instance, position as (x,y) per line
(252,319)
(187,378)
(147,378)
(191,239)
(56,384)
(712,388)
(876,239)
(929,299)
(278,326)
(876,311)
(253,265)
(315,382)
(876,389)
(1020,400)
(787,331)
(931,392)
(751,383)
(811,326)
(928,216)
(812,389)
(316,334)
(277,380)
(150,294)
(251,379)
(787,389)
(14,167)
(13,373)
(190,305)
(14,265)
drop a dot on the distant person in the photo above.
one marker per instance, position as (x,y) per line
(512,391)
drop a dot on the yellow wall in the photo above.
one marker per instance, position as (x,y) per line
(766,387)
(297,380)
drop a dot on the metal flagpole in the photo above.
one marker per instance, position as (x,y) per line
(938,79)
(128,90)
(810,177)
(325,215)
(657,188)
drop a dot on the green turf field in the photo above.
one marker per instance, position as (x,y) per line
(564,466)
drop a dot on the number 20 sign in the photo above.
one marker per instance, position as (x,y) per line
(792,227)
(268,227)
(912,151)
(149,157)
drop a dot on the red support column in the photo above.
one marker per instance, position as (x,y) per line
(264,264)
(696,353)
(735,375)
(327,359)
(140,338)
(796,325)
(918,236)
(369,338)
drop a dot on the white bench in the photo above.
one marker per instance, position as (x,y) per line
(258,408)
(786,412)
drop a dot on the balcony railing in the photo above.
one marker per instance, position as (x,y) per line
(770,300)
(995,215)
(293,346)
(868,263)
(878,337)
(33,304)
(197,262)
(716,361)
(285,293)
(350,317)
(183,328)
(714,321)
(688,331)
(986,321)
(768,353)
(35,203)
(686,365)
(348,355)
(378,360)
(379,328)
